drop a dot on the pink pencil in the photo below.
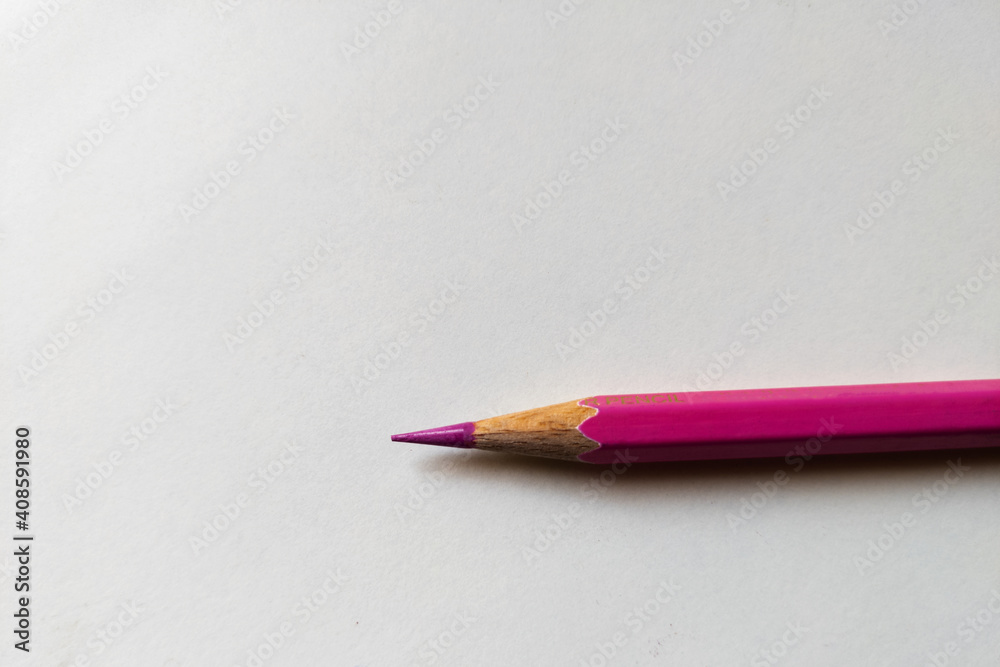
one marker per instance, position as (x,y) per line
(744,423)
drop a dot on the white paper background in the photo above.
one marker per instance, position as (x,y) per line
(433,547)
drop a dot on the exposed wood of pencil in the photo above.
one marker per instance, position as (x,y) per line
(550,431)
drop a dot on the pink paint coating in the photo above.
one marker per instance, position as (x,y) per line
(456,435)
(754,423)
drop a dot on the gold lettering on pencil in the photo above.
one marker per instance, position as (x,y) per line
(631,399)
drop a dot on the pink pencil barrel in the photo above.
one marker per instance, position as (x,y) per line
(754,423)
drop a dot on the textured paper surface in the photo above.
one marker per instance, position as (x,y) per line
(562,234)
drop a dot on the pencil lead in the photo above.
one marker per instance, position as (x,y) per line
(456,435)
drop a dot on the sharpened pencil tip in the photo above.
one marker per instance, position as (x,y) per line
(456,435)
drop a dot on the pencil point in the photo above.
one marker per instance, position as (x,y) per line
(456,435)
